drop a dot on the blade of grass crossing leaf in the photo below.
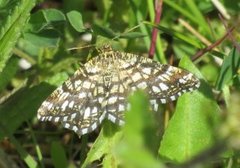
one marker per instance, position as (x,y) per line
(37,148)
(28,159)
(12,27)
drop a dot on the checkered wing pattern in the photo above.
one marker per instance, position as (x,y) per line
(163,83)
(75,103)
(100,89)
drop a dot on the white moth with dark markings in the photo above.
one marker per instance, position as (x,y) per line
(100,88)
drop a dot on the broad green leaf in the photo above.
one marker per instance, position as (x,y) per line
(53,15)
(49,38)
(210,72)
(58,155)
(37,21)
(191,128)
(103,146)
(134,156)
(11,28)
(75,19)
(140,127)
(109,161)
(45,18)
(229,69)
(34,43)
(22,106)
(139,131)
(28,48)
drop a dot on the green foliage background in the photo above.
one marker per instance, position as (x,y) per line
(201,129)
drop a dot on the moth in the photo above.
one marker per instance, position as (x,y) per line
(99,89)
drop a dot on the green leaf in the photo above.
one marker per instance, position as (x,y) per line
(8,72)
(191,128)
(22,106)
(48,38)
(103,146)
(34,44)
(75,19)
(37,21)
(139,132)
(229,69)
(11,28)
(57,79)
(136,156)
(44,18)
(109,161)
(24,103)
(58,155)
(53,15)
(210,72)
(139,120)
